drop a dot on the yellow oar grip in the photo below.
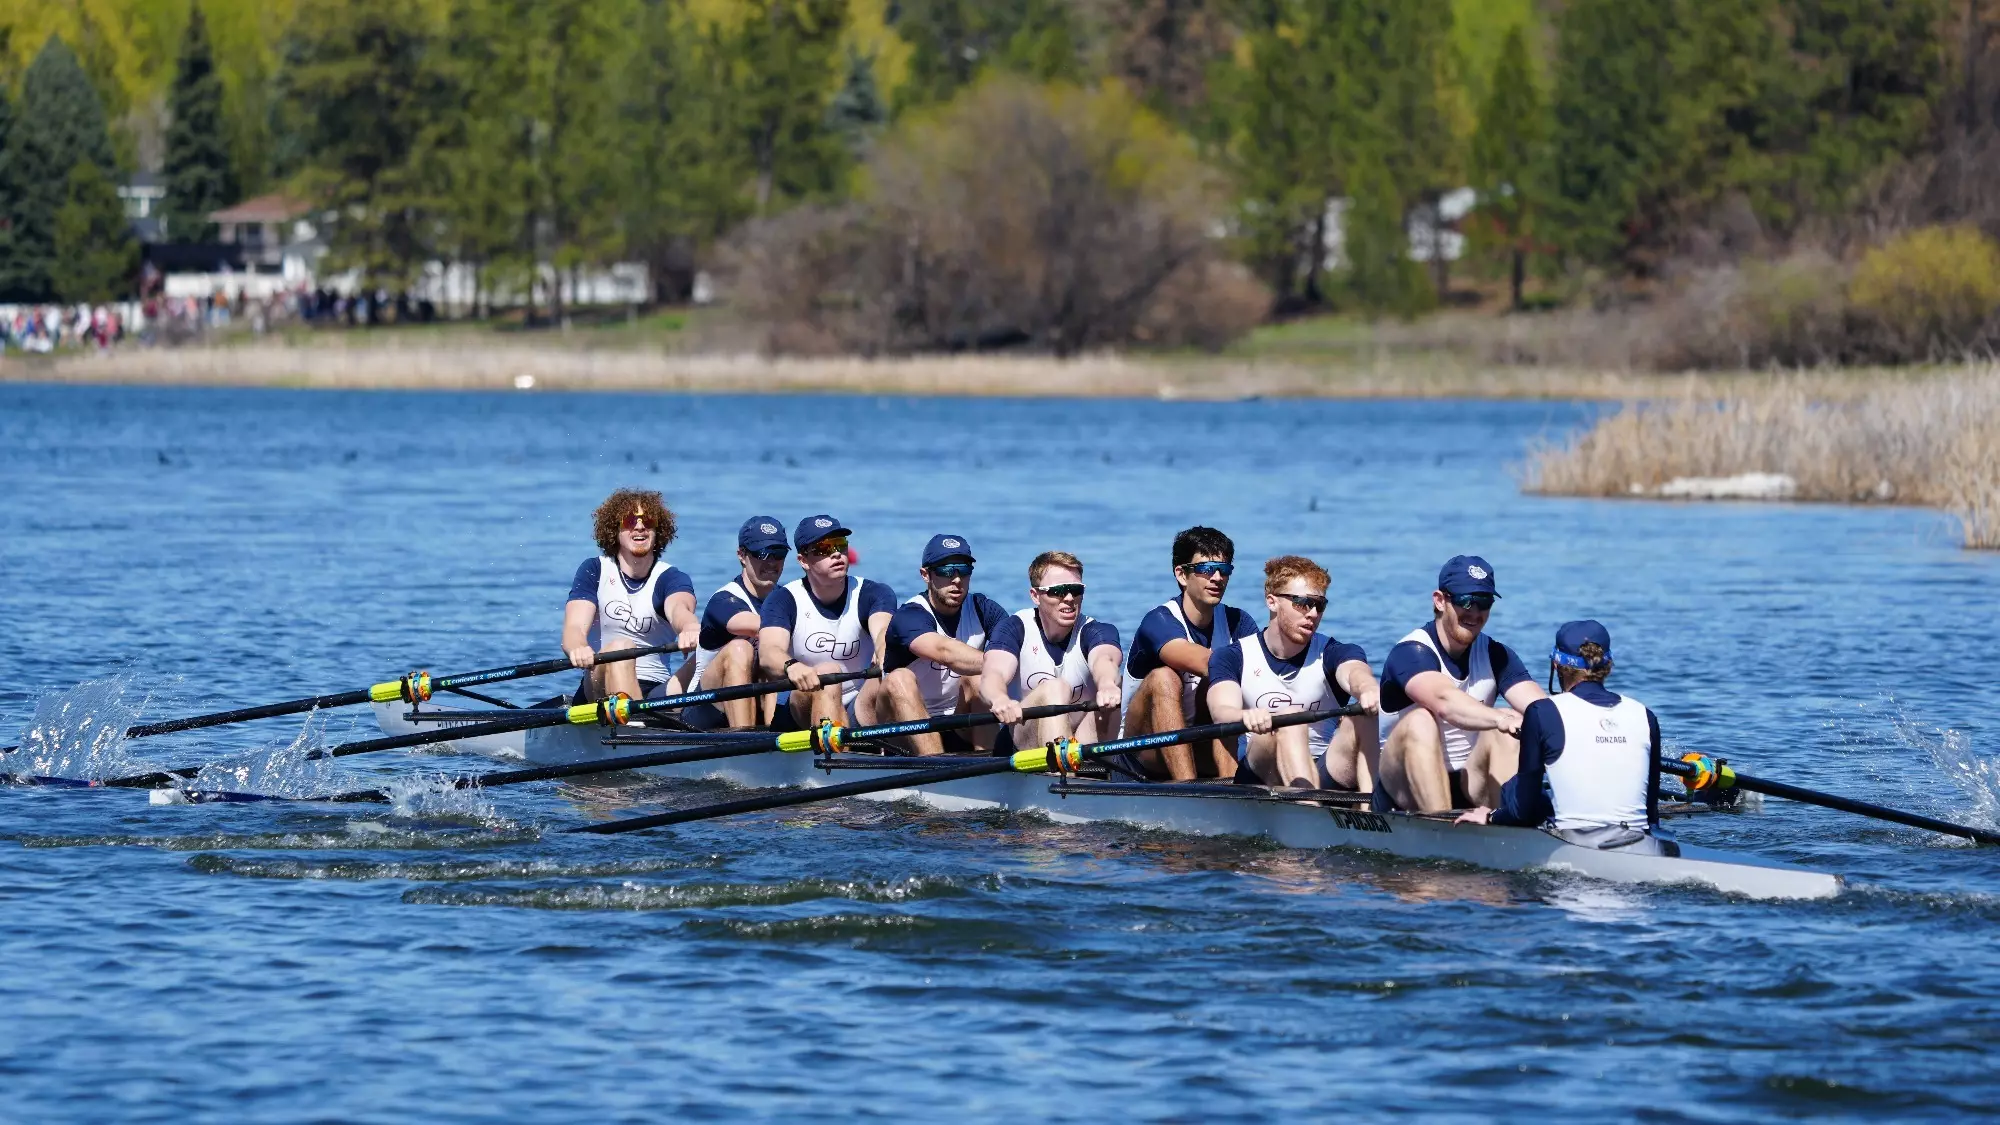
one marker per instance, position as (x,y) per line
(1031,761)
(611,712)
(795,741)
(1062,754)
(386,693)
(583,713)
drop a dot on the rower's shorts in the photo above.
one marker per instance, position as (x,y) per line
(1461,798)
(704,716)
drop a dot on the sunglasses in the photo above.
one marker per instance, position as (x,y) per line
(1063,590)
(1211,569)
(1311,603)
(769,553)
(1481,602)
(949,571)
(824,548)
(635,522)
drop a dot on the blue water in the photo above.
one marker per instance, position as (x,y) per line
(289,963)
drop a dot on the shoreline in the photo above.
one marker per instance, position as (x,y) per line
(435,365)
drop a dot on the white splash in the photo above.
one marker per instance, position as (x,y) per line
(431,795)
(80,733)
(278,771)
(1952,753)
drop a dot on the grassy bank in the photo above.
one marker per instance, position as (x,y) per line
(1931,440)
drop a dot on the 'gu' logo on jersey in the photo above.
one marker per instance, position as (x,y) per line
(628,618)
(1272,701)
(824,644)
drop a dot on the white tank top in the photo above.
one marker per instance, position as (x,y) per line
(939,683)
(1606,764)
(703,655)
(627,619)
(1221,631)
(1264,688)
(843,640)
(1071,664)
(1478,682)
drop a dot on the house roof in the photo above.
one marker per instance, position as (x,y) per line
(276,207)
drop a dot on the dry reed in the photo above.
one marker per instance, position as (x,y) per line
(1931,441)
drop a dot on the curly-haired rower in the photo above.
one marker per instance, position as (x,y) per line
(626,598)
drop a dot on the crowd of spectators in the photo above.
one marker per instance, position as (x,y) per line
(41,329)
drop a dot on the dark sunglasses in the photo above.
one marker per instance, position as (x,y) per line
(1210,569)
(1064,590)
(823,548)
(1311,603)
(1481,602)
(949,571)
(769,553)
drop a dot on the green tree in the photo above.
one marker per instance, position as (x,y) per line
(1507,154)
(59,124)
(783,70)
(10,192)
(1380,275)
(857,111)
(953,41)
(1609,128)
(200,178)
(96,257)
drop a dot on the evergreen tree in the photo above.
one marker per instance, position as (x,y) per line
(96,257)
(10,193)
(857,110)
(1609,128)
(952,41)
(783,56)
(1507,153)
(199,176)
(60,122)
(1380,273)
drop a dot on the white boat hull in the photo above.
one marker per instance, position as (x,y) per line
(511,746)
(1300,825)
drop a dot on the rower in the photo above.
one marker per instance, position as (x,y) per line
(1288,666)
(1051,653)
(727,655)
(1170,657)
(627,598)
(827,621)
(1589,765)
(936,647)
(1444,743)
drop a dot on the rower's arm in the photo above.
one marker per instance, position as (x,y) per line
(774,648)
(997,668)
(1186,657)
(681,615)
(577,618)
(1520,695)
(1225,701)
(1104,662)
(949,652)
(878,631)
(1523,800)
(1436,693)
(1357,679)
(747,625)
(1653,772)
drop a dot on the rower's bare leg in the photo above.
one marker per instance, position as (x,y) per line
(731,667)
(621,676)
(871,704)
(1495,759)
(1354,754)
(1035,732)
(1155,707)
(906,705)
(1284,757)
(982,738)
(1413,765)
(809,708)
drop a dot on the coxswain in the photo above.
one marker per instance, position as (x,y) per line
(627,597)
(727,651)
(1290,666)
(1444,743)
(936,648)
(827,621)
(1589,764)
(1051,653)
(1170,658)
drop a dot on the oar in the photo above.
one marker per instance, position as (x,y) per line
(609,712)
(1064,754)
(412,688)
(736,744)
(1703,773)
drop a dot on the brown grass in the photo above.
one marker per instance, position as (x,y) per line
(1931,440)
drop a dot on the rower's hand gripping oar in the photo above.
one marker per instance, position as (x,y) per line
(609,712)
(1062,755)
(1704,775)
(413,688)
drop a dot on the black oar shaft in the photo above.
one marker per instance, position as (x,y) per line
(1021,761)
(1843,804)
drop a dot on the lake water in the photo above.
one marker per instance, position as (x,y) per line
(291,963)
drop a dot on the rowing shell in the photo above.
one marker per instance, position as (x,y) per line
(1217,810)
(511,745)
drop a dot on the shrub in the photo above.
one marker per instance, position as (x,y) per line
(1051,217)
(1928,294)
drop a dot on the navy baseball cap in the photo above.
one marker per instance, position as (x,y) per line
(1571,638)
(1467,574)
(761,533)
(812,529)
(942,547)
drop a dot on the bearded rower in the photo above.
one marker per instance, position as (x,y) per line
(730,623)
(936,647)
(627,597)
(1444,743)
(1289,666)
(1051,653)
(1589,756)
(1170,658)
(827,621)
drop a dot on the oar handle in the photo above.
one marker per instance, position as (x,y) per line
(1710,773)
(744,691)
(828,738)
